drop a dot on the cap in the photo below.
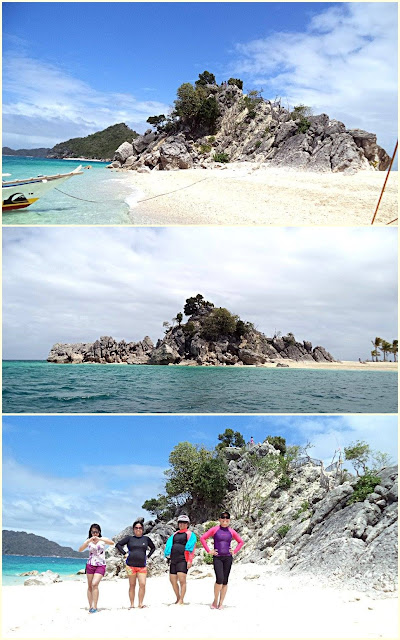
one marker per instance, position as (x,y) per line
(183,518)
(225,513)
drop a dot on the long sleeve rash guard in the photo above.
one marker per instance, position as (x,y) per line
(222,540)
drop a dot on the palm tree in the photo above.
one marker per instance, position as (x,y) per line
(394,349)
(375,354)
(385,348)
(377,343)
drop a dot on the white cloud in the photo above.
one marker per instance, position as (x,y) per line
(335,287)
(43,104)
(62,508)
(344,65)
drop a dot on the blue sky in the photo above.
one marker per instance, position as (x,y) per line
(73,68)
(60,473)
(335,287)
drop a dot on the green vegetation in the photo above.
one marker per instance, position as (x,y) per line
(282,531)
(194,106)
(160,507)
(157,121)
(250,102)
(304,507)
(194,304)
(196,473)
(230,438)
(236,81)
(300,113)
(205,148)
(189,328)
(278,443)
(364,459)
(284,482)
(100,145)
(364,486)
(208,558)
(220,322)
(221,157)
(258,144)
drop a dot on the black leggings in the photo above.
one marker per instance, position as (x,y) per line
(222,568)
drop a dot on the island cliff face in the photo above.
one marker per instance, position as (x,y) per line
(256,130)
(190,344)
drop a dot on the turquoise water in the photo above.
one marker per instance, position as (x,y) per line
(12,566)
(112,191)
(43,387)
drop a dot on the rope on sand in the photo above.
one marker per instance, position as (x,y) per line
(144,200)
(174,191)
(384,185)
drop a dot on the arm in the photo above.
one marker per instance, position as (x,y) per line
(168,546)
(207,534)
(190,548)
(85,544)
(152,547)
(239,540)
(121,543)
(107,541)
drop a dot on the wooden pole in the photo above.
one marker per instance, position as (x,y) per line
(384,184)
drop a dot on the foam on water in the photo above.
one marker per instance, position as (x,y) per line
(96,197)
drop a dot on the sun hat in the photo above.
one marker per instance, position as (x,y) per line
(183,518)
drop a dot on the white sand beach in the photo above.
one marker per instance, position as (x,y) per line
(344,365)
(246,194)
(258,605)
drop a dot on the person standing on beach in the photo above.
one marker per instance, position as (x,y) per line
(180,549)
(222,552)
(96,563)
(136,560)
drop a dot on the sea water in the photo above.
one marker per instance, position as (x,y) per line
(12,566)
(43,387)
(98,196)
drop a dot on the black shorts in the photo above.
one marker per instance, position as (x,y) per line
(222,568)
(178,566)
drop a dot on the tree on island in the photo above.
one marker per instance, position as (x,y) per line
(194,304)
(394,349)
(376,344)
(230,438)
(385,347)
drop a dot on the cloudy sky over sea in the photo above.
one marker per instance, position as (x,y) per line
(52,464)
(335,287)
(71,69)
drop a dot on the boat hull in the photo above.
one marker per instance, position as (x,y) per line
(20,194)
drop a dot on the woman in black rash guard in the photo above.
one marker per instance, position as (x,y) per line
(136,560)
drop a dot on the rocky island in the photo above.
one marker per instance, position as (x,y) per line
(213,123)
(211,336)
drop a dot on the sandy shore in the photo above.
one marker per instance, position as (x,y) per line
(261,606)
(244,194)
(344,365)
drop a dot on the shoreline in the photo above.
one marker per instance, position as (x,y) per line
(345,365)
(60,610)
(260,195)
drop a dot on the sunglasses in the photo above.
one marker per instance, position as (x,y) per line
(141,528)
(224,518)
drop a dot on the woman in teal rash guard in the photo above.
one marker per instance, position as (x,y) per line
(180,549)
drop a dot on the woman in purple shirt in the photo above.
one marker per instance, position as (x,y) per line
(222,552)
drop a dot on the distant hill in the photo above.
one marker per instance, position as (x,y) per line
(42,152)
(100,145)
(97,146)
(28,544)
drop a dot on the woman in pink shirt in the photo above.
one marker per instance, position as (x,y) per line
(223,535)
(96,564)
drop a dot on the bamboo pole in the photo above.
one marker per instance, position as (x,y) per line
(384,184)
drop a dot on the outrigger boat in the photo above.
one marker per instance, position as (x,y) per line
(19,194)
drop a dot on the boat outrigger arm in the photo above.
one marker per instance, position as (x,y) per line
(19,194)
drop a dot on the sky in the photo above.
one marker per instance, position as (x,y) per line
(73,68)
(336,287)
(61,473)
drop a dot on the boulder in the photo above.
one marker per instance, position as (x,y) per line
(123,152)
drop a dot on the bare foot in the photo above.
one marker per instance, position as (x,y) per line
(213,606)
(142,606)
(131,607)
